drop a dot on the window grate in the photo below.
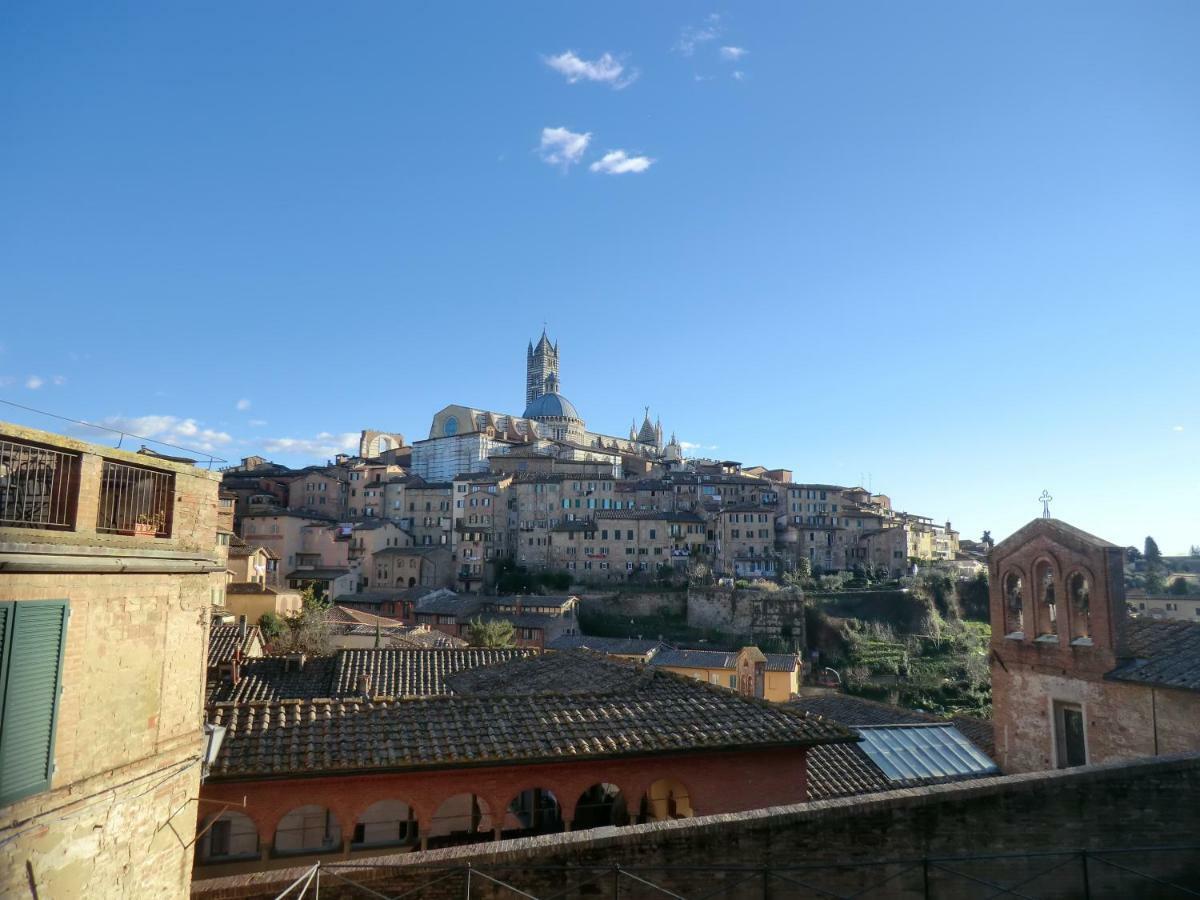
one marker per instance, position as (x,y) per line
(38,486)
(134,500)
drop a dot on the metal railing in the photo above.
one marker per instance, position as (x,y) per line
(135,500)
(1118,874)
(38,486)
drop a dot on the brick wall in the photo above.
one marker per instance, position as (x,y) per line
(1144,803)
(121,804)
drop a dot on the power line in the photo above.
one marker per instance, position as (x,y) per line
(123,434)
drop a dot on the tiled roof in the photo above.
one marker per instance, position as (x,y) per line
(1166,654)
(318,574)
(249,587)
(619,646)
(449,606)
(223,640)
(695,659)
(782,662)
(857,711)
(650,514)
(843,770)
(409,673)
(562,673)
(272,678)
(637,711)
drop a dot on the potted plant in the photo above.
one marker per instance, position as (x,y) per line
(148,524)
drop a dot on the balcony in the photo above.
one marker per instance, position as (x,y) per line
(68,505)
(38,486)
(134,500)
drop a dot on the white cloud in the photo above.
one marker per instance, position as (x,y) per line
(171,429)
(739,75)
(1177,428)
(59,380)
(606,70)
(257,423)
(324,444)
(33,382)
(618,162)
(693,36)
(561,147)
(243,405)
(732,54)
(688,446)
(6,380)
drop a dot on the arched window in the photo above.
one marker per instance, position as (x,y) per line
(1014,613)
(230,837)
(387,823)
(461,819)
(308,829)
(1047,601)
(533,811)
(600,805)
(666,799)
(1079,590)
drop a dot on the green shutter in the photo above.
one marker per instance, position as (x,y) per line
(31,674)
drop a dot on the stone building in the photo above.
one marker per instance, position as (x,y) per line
(1075,678)
(109,563)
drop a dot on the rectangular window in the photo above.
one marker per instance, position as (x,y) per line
(32,636)
(1070,740)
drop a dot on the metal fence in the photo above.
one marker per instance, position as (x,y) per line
(1143,872)
(38,486)
(135,500)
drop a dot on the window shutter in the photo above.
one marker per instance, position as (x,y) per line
(35,635)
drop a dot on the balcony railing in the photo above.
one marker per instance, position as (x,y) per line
(135,500)
(38,486)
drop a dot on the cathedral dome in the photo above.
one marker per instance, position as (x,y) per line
(551,406)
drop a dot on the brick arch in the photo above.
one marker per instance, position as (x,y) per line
(1041,620)
(601,780)
(1068,606)
(1006,572)
(544,784)
(692,799)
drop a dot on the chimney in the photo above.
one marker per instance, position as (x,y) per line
(295,661)
(364,685)
(235,671)
(242,628)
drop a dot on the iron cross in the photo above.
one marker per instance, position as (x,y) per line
(1045,498)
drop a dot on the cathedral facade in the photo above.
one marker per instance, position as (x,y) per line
(549,421)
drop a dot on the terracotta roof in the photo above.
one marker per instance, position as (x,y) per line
(695,659)
(843,770)
(223,640)
(634,711)
(322,574)
(1166,654)
(409,673)
(271,678)
(626,646)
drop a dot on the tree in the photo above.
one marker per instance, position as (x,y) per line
(494,633)
(1133,554)
(272,626)
(986,539)
(1155,584)
(1152,553)
(1179,587)
(308,630)
(1195,551)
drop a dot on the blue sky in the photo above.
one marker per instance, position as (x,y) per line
(949,248)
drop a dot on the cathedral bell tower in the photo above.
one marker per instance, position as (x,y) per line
(541,362)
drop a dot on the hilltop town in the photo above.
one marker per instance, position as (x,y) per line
(522,651)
